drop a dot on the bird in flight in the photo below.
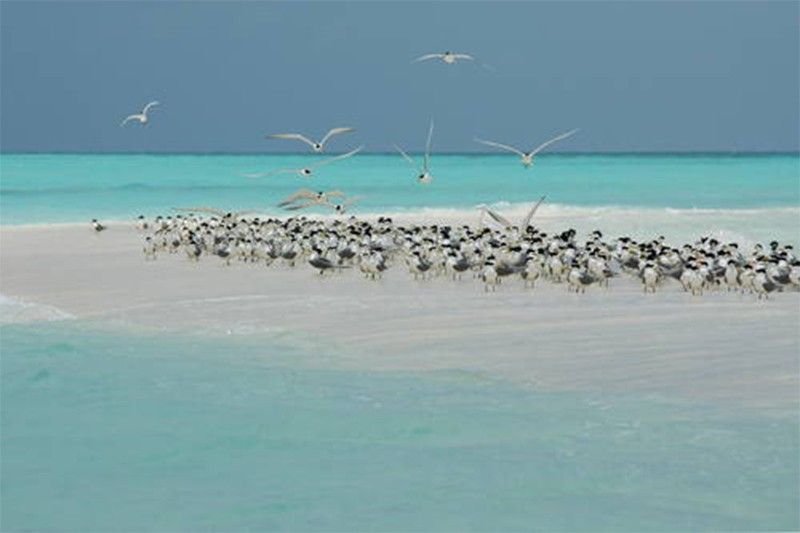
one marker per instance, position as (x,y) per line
(449,58)
(315,146)
(527,157)
(307,195)
(141,117)
(305,172)
(424,175)
(505,223)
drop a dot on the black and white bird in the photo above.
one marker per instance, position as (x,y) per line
(527,157)
(316,146)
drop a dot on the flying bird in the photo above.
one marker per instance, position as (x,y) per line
(319,197)
(305,172)
(527,157)
(141,117)
(505,223)
(424,171)
(447,57)
(315,146)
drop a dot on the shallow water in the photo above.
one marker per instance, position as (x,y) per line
(40,188)
(106,428)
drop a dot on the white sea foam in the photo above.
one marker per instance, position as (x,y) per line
(17,311)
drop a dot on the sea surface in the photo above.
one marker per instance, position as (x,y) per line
(42,188)
(110,429)
(106,427)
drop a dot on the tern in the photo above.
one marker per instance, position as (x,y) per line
(424,172)
(447,57)
(505,223)
(315,146)
(324,201)
(527,157)
(141,117)
(308,171)
(307,194)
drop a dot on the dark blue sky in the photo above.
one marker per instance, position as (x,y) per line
(646,76)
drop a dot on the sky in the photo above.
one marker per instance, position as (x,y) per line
(634,76)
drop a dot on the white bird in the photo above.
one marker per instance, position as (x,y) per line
(424,171)
(307,194)
(305,172)
(447,57)
(527,157)
(141,117)
(316,146)
(505,223)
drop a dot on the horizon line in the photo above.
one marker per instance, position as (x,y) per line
(471,153)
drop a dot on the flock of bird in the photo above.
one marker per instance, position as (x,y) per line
(494,251)
(423,172)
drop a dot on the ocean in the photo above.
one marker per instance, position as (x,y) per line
(42,188)
(106,428)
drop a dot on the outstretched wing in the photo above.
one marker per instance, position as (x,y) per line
(295,207)
(464,56)
(426,57)
(405,156)
(503,221)
(551,141)
(426,163)
(527,220)
(335,131)
(293,137)
(148,106)
(336,158)
(302,193)
(129,117)
(211,210)
(271,173)
(501,146)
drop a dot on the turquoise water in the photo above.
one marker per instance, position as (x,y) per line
(105,429)
(71,188)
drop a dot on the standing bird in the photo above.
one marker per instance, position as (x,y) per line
(527,157)
(315,146)
(447,57)
(424,176)
(141,117)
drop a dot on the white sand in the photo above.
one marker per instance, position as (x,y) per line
(723,348)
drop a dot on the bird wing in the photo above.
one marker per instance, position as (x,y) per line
(501,146)
(527,220)
(212,210)
(301,206)
(335,131)
(498,218)
(148,106)
(405,156)
(427,160)
(464,56)
(292,136)
(302,193)
(336,158)
(271,173)
(427,57)
(331,194)
(129,117)
(551,141)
